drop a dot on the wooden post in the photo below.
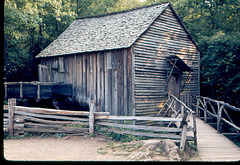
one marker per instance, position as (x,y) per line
(205,110)
(219,118)
(182,110)
(91,118)
(184,131)
(21,90)
(195,129)
(183,138)
(39,73)
(197,114)
(5,90)
(11,103)
(38,91)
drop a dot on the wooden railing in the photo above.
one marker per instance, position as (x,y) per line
(177,109)
(36,90)
(216,109)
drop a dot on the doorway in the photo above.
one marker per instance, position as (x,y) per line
(174,84)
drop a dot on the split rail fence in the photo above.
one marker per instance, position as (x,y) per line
(219,110)
(21,119)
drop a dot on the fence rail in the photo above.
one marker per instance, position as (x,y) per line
(216,109)
(21,119)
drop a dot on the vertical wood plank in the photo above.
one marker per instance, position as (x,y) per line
(106,83)
(133,82)
(80,78)
(91,117)
(98,100)
(94,93)
(11,103)
(120,82)
(114,83)
(129,82)
(84,90)
(88,79)
(102,95)
(125,82)
(109,82)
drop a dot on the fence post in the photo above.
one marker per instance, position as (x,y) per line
(11,103)
(194,129)
(197,107)
(219,118)
(182,110)
(91,118)
(205,110)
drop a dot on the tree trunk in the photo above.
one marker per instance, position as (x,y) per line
(5,57)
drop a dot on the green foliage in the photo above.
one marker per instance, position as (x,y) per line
(118,137)
(215,26)
(220,67)
(59,135)
(30,26)
(25,135)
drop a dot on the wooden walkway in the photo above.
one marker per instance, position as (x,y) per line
(213,146)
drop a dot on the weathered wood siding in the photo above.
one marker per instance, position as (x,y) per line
(103,76)
(163,38)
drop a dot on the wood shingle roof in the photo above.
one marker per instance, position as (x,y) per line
(106,32)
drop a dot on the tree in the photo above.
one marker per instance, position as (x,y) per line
(31,25)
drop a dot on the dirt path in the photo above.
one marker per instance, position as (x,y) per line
(73,148)
(51,149)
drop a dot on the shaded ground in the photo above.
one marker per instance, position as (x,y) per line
(65,149)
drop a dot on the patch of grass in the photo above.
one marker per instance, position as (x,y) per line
(25,135)
(194,147)
(59,135)
(118,136)
(45,135)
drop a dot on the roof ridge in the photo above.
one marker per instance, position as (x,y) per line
(123,11)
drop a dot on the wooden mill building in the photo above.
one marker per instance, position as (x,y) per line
(127,61)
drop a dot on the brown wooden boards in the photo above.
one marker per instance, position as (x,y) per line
(213,146)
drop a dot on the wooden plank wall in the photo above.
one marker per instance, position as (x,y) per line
(103,76)
(163,38)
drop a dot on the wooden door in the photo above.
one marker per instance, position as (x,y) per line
(174,85)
